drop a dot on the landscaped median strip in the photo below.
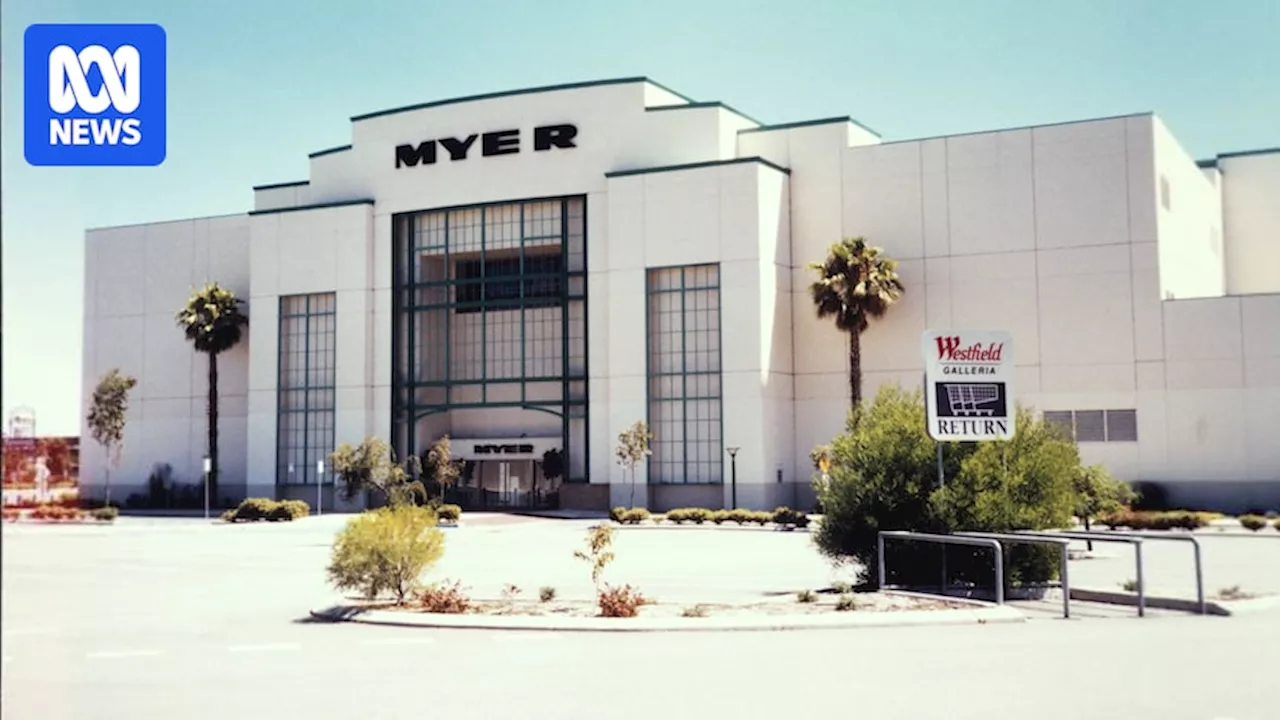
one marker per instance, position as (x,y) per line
(559,623)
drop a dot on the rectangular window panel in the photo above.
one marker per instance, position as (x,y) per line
(1062,419)
(684,374)
(305,400)
(1090,426)
(1122,426)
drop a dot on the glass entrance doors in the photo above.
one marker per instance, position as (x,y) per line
(496,485)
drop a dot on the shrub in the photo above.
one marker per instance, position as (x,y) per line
(842,587)
(253,509)
(617,513)
(761,517)
(658,519)
(12,514)
(806,596)
(1253,522)
(386,550)
(597,550)
(1097,494)
(846,603)
(288,510)
(697,516)
(444,597)
(1277,523)
(228,516)
(105,514)
(448,513)
(635,516)
(1129,585)
(718,516)
(546,593)
(788,518)
(884,477)
(57,513)
(620,602)
(694,611)
(740,516)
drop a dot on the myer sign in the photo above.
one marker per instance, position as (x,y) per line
(499,142)
(969,384)
(501,449)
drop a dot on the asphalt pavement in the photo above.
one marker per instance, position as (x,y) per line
(179,619)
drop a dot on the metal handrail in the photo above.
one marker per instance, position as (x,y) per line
(1166,535)
(1062,543)
(945,540)
(1136,542)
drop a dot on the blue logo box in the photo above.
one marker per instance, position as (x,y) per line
(94,95)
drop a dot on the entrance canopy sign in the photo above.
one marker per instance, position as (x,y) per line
(501,448)
(969,384)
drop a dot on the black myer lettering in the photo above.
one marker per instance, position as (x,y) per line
(516,449)
(498,142)
(503,142)
(549,136)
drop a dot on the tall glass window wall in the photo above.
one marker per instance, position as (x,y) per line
(305,400)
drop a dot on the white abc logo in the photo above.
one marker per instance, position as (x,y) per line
(121,79)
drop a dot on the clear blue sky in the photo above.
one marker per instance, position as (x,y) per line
(256,85)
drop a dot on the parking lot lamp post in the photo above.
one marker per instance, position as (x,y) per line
(733,477)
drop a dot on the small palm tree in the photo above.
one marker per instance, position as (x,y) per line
(855,284)
(213,322)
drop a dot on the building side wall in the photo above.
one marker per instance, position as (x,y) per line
(1251,219)
(136,280)
(301,252)
(1189,221)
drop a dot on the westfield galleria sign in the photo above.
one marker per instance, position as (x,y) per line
(499,142)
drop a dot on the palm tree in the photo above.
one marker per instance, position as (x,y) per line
(212,321)
(855,284)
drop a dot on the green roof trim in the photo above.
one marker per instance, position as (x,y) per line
(697,165)
(318,206)
(808,123)
(698,105)
(1210,163)
(510,93)
(1247,153)
(296,183)
(329,151)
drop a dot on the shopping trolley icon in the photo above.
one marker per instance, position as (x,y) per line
(971,400)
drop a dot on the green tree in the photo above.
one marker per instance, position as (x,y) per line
(107,417)
(212,320)
(884,477)
(372,465)
(633,447)
(386,550)
(439,470)
(856,284)
(1097,493)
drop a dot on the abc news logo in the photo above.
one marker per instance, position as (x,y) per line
(69,89)
(94,95)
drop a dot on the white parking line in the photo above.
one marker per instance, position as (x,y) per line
(268,647)
(119,654)
(399,641)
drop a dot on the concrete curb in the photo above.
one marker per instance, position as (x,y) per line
(831,621)
(1220,608)
(707,526)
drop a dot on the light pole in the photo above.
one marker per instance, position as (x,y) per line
(733,477)
(319,484)
(208,468)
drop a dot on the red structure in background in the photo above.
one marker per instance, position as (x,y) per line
(39,470)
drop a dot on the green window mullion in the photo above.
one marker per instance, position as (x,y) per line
(523,315)
(484,311)
(684,377)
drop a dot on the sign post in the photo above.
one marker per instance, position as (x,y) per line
(319,485)
(208,468)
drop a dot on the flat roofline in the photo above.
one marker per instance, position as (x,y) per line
(317,206)
(171,221)
(273,186)
(1247,153)
(696,105)
(697,165)
(1019,127)
(521,91)
(808,123)
(329,151)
